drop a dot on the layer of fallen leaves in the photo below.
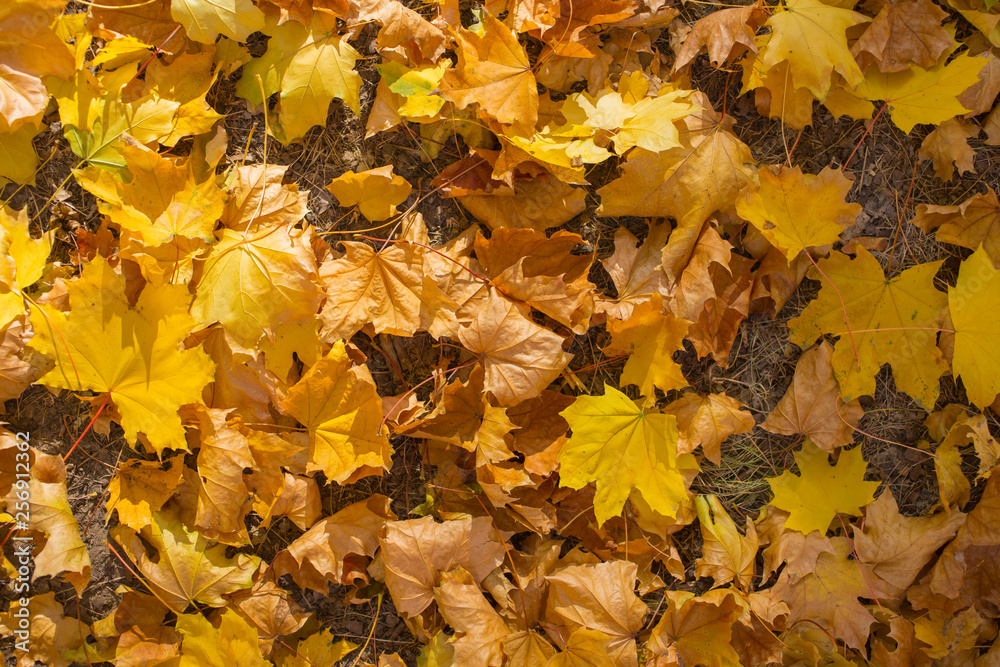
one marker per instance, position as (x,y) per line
(210,321)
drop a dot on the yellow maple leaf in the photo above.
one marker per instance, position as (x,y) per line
(25,59)
(811,36)
(307,66)
(162,198)
(975,316)
(647,123)
(319,648)
(821,491)
(253,282)
(621,446)
(103,345)
(916,95)
(183,568)
(205,20)
(18,160)
(891,320)
(651,337)
(974,222)
(375,192)
(234,642)
(795,211)
(336,401)
(22,261)
(493,71)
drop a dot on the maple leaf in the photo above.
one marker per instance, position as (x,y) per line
(821,491)
(949,149)
(900,546)
(599,597)
(320,648)
(480,629)
(975,318)
(795,211)
(336,401)
(307,66)
(22,263)
(726,555)
(811,36)
(375,192)
(974,222)
(949,635)
(258,197)
(234,642)
(161,200)
(697,630)
(812,405)
(139,363)
(493,71)
(712,292)
(205,20)
(330,551)
(18,369)
(520,357)
(18,161)
(725,33)
(401,26)
(584,648)
(542,272)
(184,569)
(271,610)
(50,632)
(64,554)
(687,183)
(895,320)
(251,283)
(637,271)
(904,32)
(647,123)
(416,552)
(828,596)
(391,289)
(918,95)
(650,338)
(537,203)
(621,446)
(24,60)
(707,421)
(223,455)
(140,488)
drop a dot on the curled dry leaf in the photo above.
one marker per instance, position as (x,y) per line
(415,552)
(335,549)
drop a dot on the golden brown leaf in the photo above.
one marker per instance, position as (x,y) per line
(415,552)
(480,631)
(493,71)
(899,546)
(974,222)
(520,357)
(948,147)
(725,33)
(812,405)
(50,632)
(337,402)
(726,555)
(904,32)
(140,488)
(599,597)
(336,549)
(636,270)
(696,630)
(707,421)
